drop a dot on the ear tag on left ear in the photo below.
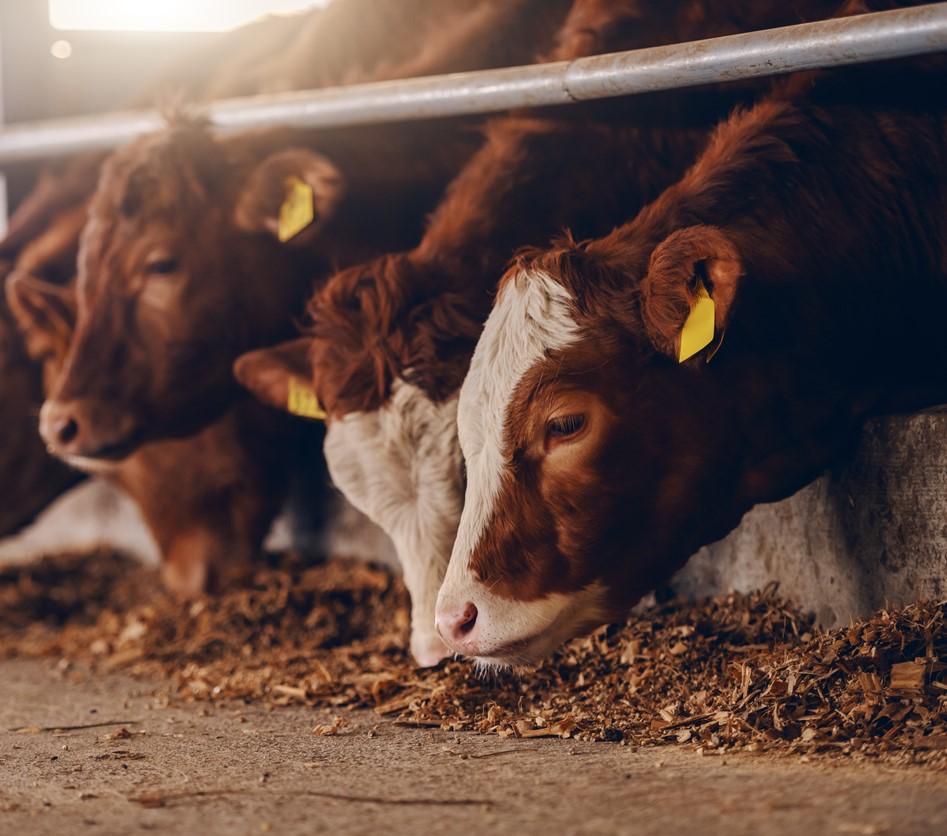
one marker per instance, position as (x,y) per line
(698,330)
(302,401)
(298,209)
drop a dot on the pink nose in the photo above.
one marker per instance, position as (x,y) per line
(456,625)
(59,426)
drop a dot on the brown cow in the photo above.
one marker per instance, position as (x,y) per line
(42,240)
(391,341)
(32,478)
(599,457)
(208,500)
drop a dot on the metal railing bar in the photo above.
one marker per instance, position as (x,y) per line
(830,43)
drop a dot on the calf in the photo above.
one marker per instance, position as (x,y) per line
(43,234)
(605,442)
(390,341)
(208,500)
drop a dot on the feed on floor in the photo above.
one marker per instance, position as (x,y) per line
(733,673)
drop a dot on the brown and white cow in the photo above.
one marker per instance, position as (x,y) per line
(390,341)
(596,461)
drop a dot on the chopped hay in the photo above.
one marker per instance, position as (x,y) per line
(734,672)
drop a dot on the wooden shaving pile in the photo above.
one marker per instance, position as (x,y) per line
(734,672)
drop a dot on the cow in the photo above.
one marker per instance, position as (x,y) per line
(43,233)
(209,499)
(631,397)
(32,477)
(389,342)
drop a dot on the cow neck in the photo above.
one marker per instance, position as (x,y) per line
(839,307)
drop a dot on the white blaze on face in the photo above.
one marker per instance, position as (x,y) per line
(532,317)
(401,467)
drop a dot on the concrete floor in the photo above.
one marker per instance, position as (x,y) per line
(206,769)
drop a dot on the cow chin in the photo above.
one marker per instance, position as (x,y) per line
(507,633)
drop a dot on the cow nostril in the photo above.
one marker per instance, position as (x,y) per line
(468,619)
(67,431)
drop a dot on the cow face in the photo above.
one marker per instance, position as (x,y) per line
(587,446)
(45,314)
(386,367)
(177,274)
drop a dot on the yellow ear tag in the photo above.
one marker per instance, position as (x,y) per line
(302,401)
(698,330)
(298,209)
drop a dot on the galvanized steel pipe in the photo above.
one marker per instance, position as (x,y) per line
(831,43)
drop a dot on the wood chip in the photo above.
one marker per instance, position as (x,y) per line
(737,672)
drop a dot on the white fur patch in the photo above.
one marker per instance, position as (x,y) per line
(532,317)
(401,467)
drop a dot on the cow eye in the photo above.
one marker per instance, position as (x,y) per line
(163,266)
(564,426)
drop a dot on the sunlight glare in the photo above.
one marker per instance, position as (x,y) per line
(166,15)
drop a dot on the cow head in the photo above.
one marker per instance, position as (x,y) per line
(386,363)
(178,273)
(40,290)
(41,241)
(596,463)
(32,478)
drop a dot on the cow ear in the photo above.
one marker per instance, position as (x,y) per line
(291,194)
(44,312)
(280,376)
(688,292)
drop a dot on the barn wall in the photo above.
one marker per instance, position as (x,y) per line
(871,532)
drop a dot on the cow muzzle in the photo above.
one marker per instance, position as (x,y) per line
(476,623)
(79,430)
(479,632)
